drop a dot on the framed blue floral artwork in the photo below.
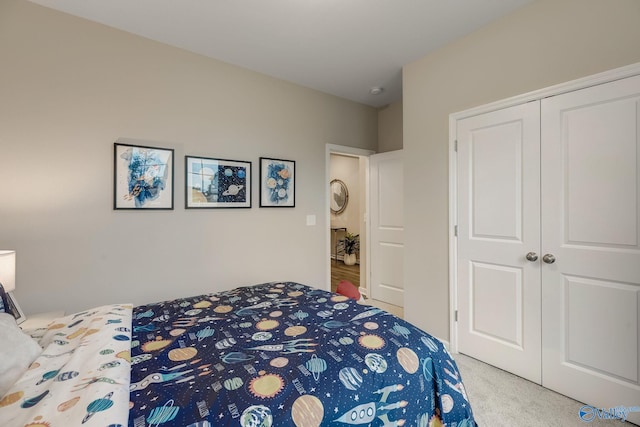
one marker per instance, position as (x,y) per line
(277,183)
(217,183)
(143,177)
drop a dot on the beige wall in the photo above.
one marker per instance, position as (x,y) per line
(545,43)
(70,88)
(390,127)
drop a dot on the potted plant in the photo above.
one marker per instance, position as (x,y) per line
(351,244)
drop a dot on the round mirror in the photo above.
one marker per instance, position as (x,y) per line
(339,196)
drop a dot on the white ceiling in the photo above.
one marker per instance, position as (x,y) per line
(341,47)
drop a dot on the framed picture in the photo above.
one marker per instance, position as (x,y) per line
(217,183)
(277,183)
(143,177)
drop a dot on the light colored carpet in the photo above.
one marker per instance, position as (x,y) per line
(393,309)
(499,398)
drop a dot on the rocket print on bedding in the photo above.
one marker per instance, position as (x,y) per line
(284,354)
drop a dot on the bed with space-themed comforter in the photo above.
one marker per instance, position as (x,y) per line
(276,354)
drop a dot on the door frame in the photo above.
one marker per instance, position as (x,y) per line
(581,83)
(358,152)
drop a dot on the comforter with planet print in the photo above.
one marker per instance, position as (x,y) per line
(285,354)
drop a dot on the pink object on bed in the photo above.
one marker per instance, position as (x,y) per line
(348,289)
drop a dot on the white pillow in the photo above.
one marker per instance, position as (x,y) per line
(17,352)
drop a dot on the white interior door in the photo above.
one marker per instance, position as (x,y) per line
(387,227)
(590,224)
(498,180)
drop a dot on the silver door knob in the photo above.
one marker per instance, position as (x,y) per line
(549,258)
(531,256)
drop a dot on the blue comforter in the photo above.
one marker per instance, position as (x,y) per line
(285,354)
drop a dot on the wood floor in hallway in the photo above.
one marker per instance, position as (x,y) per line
(340,271)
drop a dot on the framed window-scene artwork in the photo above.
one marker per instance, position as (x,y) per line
(217,183)
(143,177)
(277,183)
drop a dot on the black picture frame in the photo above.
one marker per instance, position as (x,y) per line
(277,183)
(143,177)
(212,183)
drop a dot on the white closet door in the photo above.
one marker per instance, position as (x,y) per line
(498,166)
(590,224)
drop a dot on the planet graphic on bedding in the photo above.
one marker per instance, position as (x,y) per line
(294,331)
(346,341)
(447,403)
(182,354)
(64,406)
(163,414)
(307,411)
(376,363)
(256,416)
(205,333)
(408,359)
(177,332)
(98,405)
(372,326)
(11,398)
(262,336)
(266,385)
(267,324)
(350,378)
(427,368)
(429,343)
(233,383)
(279,362)
(371,341)
(158,344)
(223,309)
(401,330)
(316,365)
(202,304)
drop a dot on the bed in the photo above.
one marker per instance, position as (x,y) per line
(274,354)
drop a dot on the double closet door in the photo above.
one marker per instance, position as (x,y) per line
(548,246)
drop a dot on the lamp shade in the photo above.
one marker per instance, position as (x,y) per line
(8,270)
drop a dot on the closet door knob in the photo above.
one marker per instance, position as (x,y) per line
(549,258)
(531,256)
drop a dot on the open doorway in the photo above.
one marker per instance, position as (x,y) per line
(346,212)
(347,209)
(387,263)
